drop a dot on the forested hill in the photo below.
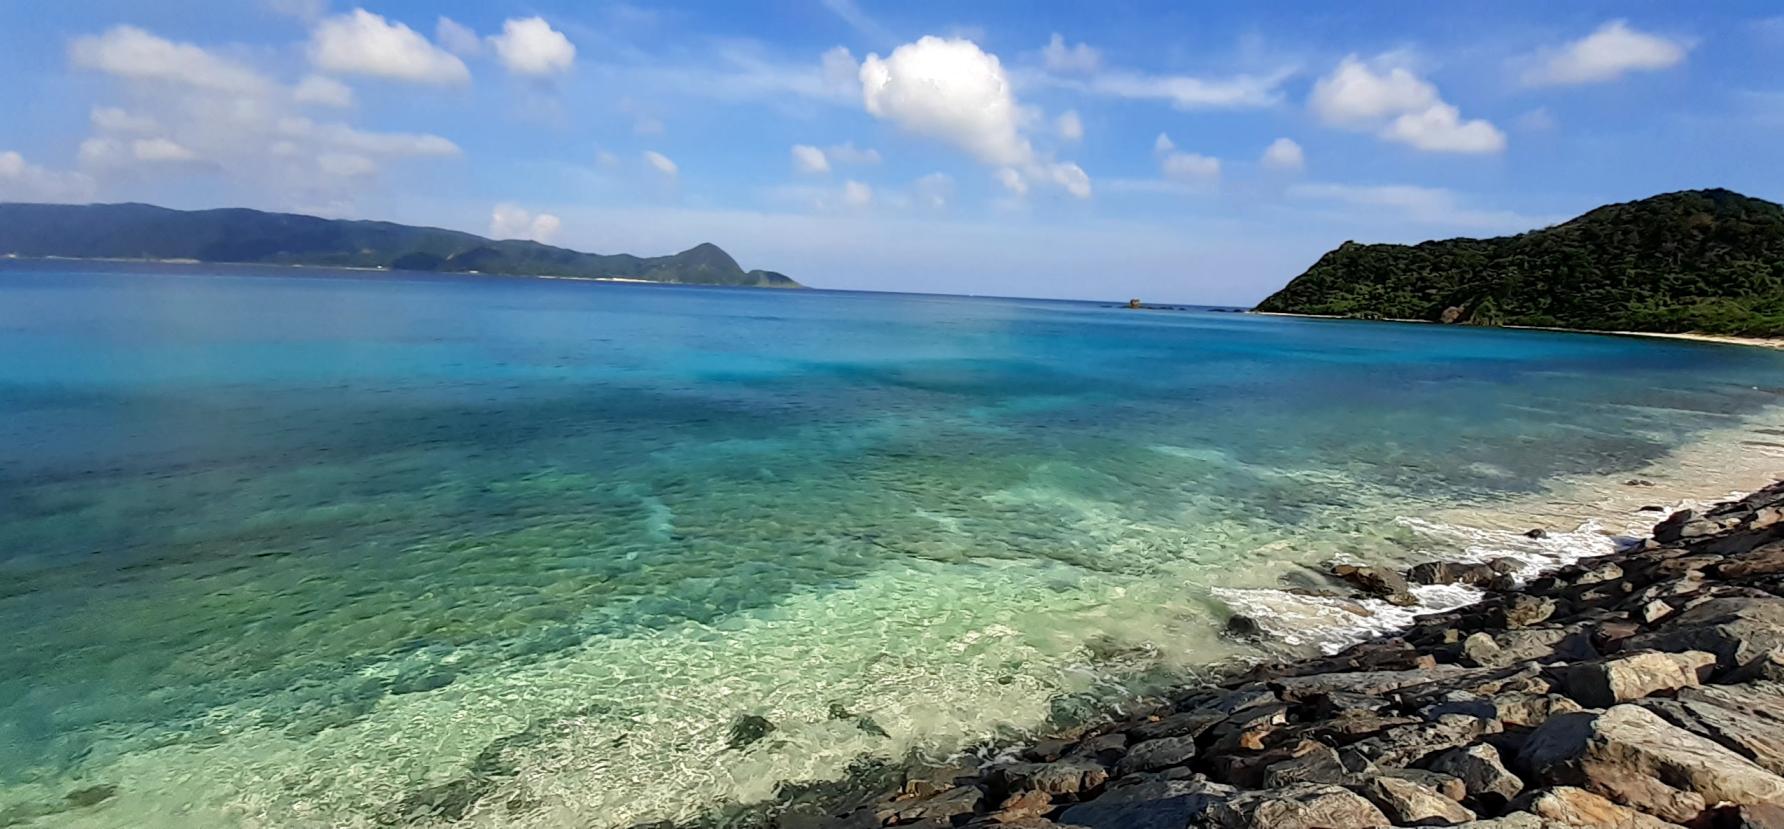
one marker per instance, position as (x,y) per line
(1708,261)
(142,231)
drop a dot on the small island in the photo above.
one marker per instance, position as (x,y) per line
(1696,261)
(242,236)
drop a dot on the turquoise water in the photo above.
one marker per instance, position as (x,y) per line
(341,549)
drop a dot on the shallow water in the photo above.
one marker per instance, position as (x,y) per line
(316,549)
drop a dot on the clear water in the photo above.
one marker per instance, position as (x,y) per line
(333,549)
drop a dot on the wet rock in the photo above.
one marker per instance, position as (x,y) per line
(925,780)
(1736,630)
(1523,610)
(1247,729)
(1046,751)
(90,796)
(1762,561)
(1633,757)
(1408,803)
(1306,688)
(1104,749)
(1023,805)
(1406,745)
(1607,682)
(1186,724)
(1638,482)
(1379,582)
(1301,806)
(1240,626)
(748,729)
(1452,572)
(1489,783)
(1536,533)
(1153,755)
(1064,777)
(1579,808)
(957,801)
(1163,804)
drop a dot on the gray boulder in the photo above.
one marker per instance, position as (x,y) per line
(1301,806)
(1162,804)
(1407,803)
(1607,682)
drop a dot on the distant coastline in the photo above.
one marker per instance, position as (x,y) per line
(13,257)
(1723,339)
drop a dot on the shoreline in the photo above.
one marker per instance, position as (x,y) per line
(1722,339)
(1563,700)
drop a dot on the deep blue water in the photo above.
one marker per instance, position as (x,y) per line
(287,548)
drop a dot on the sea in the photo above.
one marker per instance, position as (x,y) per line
(295,548)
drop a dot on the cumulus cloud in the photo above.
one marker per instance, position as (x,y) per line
(346,165)
(951,90)
(363,43)
(529,46)
(1067,176)
(809,159)
(856,194)
(1012,181)
(1283,154)
(934,190)
(661,163)
(1606,54)
(129,52)
(511,221)
(156,150)
(115,119)
(1060,57)
(322,91)
(1190,167)
(1163,144)
(457,38)
(21,180)
(344,137)
(848,153)
(1069,126)
(1399,106)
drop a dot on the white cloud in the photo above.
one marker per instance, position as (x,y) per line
(457,38)
(848,153)
(934,190)
(322,91)
(1355,93)
(1190,167)
(1068,176)
(529,46)
(856,194)
(1399,106)
(156,150)
(113,119)
(1606,54)
(809,159)
(346,165)
(362,43)
(1062,58)
(1425,205)
(1163,144)
(1012,181)
(129,52)
(21,180)
(343,137)
(1283,154)
(860,20)
(1069,126)
(1186,92)
(1440,129)
(661,163)
(511,221)
(949,90)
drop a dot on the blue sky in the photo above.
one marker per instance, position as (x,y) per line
(1177,152)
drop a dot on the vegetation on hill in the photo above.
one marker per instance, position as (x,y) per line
(1709,261)
(142,231)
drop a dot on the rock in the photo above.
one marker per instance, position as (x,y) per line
(1638,482)
(1186,724)
(1488,782)
(1305,688)
(1651,508)
(1405,745)
(90,796)
(1536,533)
(1757,816)
(1654,611)
(748,729)
(1443,784)
(1046,751)
(1063,777)
(1379,582)
(1240,626)
(1301,806)
(1531,710)
(1761,561)
(1024,804)
(1407,803)
(1104,749)
(1607,682)
(1633,757)
(1247,729)
(1577,807)
(1163,804)
(1736,630)
(924,780)
(1452,572)
(958,801)
(1309,761)
(1522,610)
(1509,647)
(1153,755)
(1746,719)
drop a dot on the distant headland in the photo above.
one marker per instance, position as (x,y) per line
(240,235)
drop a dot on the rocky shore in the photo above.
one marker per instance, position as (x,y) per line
(1638,690)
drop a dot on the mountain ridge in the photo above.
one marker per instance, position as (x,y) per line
(134,230)
(1702,261)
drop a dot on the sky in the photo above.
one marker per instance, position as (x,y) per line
(1178,152)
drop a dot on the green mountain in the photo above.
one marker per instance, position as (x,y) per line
(142,231)
(1709,261)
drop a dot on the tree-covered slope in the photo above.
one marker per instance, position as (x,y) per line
(141,231)
(1709,261)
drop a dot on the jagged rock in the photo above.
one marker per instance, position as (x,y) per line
(1241,626)
(1536,533)
(1447,785)
(1736,630)
(1580,808)
(1379,582)
(1523,610)
(1632,756)
(1304,688)
(1509,647)
(748,729)
(1488,781)
(1654,611)
(1062,777)
(1407,803)
(1186,724)
(1531,710)
(1769,667)
(1301,806)
(1103,749)
(958,801)
(1247,729)
(1607,682)
(926,780)
(1761,561)
(1452,572)
(1756,816)
(1153,755)
(1309,761)
(1404,745)
(1163,804)
(1746,719)
(1023,804)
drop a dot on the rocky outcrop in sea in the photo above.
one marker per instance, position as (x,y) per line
(1638,690)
